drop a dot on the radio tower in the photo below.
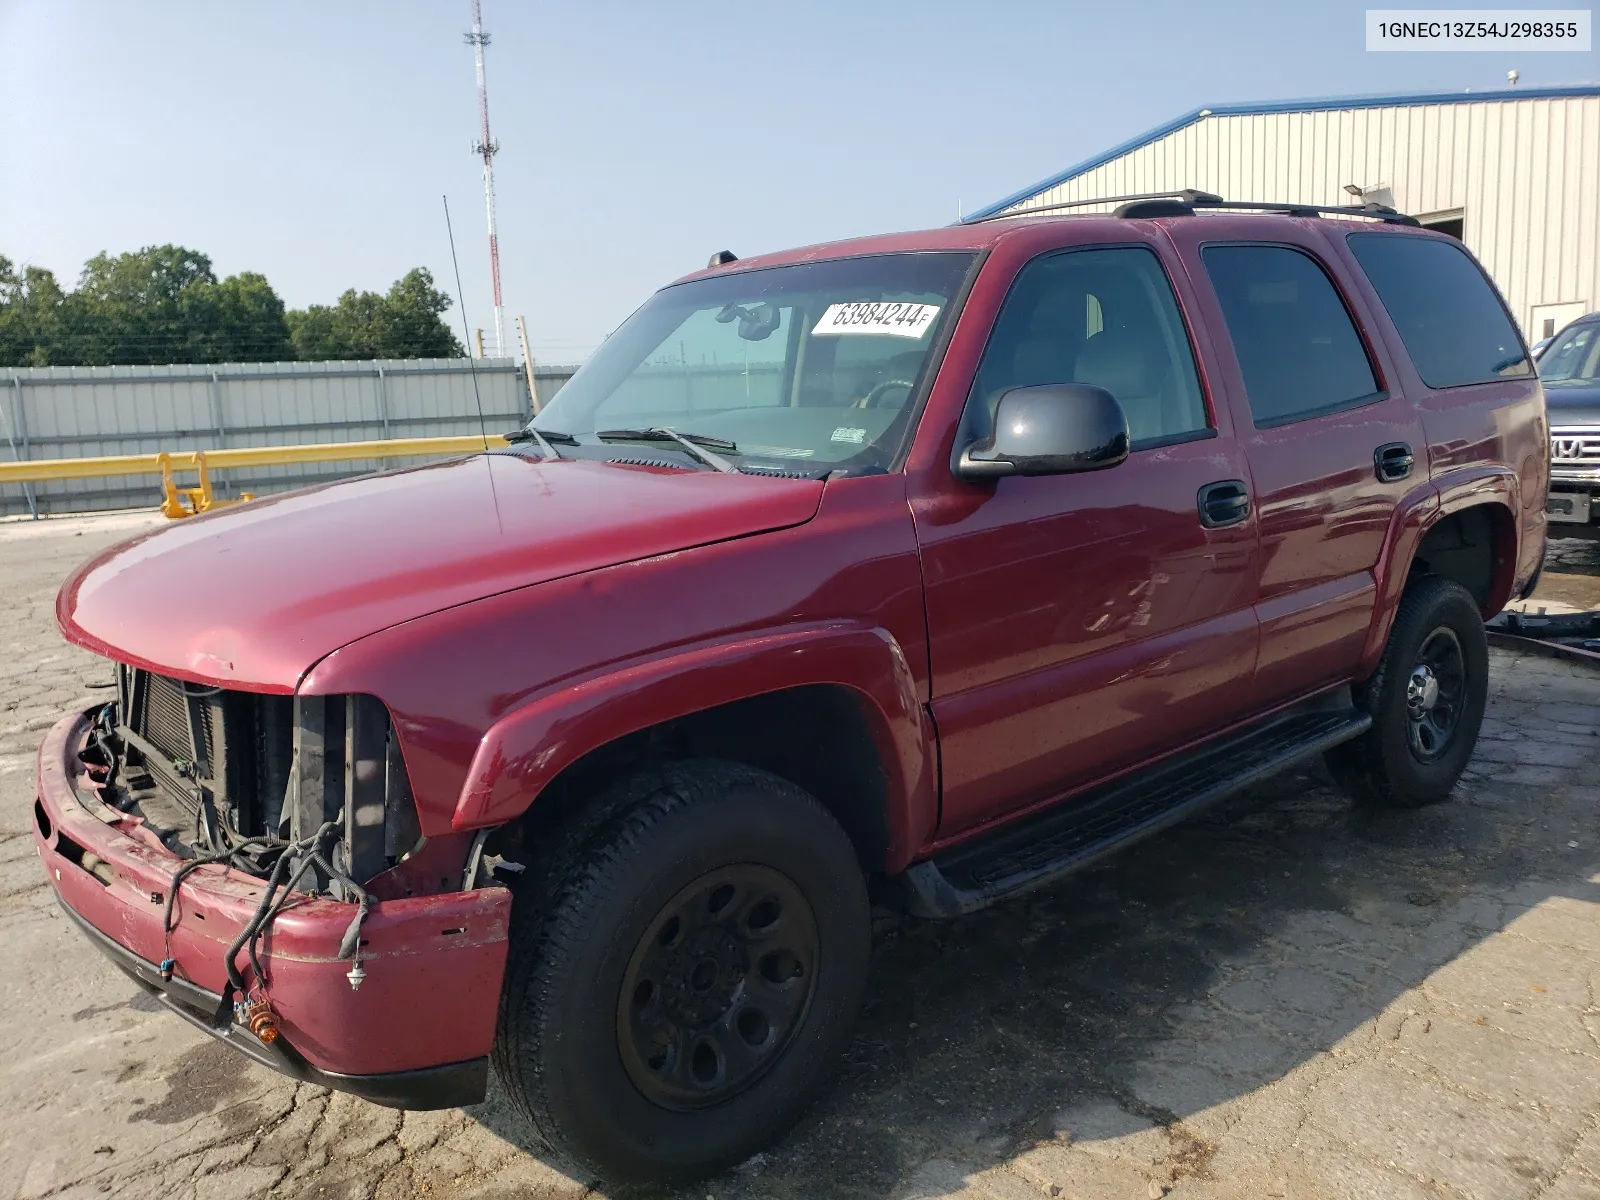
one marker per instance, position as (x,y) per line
(486,147)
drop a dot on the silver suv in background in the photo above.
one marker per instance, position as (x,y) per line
(1570,369)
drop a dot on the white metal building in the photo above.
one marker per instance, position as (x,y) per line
(1515,174)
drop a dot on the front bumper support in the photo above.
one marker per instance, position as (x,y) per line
(416,1035)
(450,1086)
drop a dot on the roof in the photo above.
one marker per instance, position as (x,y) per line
(1094,228)
(945,237)
(1262,108)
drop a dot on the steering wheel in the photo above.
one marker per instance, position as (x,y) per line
(870,400)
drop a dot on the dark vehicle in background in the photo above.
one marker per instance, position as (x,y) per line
(918,569)
(1570,369)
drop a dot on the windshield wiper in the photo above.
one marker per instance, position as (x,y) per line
(530,434)
(660,433)
(694,443)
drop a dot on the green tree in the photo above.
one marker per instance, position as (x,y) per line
(406,323)
(164,304)
(240,319)
(415,318)
(31,304)
(135,308)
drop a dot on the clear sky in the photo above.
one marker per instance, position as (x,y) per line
(311,141)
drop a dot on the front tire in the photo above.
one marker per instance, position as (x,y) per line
(1427,699)
(683,973)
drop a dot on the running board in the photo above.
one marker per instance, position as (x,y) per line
(1041,848)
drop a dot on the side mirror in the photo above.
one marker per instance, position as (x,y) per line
(1052,429)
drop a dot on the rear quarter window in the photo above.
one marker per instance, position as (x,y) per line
(1452,323)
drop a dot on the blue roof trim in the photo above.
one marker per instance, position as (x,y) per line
(1281,106)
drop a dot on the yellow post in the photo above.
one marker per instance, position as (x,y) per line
(170,504)
(203,498)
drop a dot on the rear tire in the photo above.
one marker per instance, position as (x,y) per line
(1427,699)
(684,970)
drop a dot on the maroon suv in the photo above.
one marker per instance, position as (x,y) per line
(923,568)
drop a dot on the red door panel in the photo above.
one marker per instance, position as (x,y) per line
(1081,624)
(1323,514)
(1322,509)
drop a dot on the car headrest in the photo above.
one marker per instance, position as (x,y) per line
(1123,364)
(1041,358)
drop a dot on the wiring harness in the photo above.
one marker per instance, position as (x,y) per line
(252,1007)
(220,844)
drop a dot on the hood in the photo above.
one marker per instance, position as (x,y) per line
(254,596)
(1572,402)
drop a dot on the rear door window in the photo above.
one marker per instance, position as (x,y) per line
(1297,346)
(1453,325)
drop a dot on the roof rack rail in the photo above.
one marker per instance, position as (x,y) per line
(1378,212)
(1183,204)
(1184,196)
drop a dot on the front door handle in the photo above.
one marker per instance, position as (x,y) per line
(1224,503)
(1393,461)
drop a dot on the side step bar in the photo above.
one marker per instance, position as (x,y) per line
(1075,833)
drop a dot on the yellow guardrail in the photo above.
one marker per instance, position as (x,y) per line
(39,470)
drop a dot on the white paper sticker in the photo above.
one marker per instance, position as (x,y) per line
(845,434)
(892,317)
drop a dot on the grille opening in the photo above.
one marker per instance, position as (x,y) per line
(90,864)
(69,850)
(41,820)
(207,767)
(166,718)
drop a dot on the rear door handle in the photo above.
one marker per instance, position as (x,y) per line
(1393,461)
(1224,503)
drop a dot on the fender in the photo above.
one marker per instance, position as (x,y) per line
(526,749)
(1469,486)
(1419,511)
(1500,489)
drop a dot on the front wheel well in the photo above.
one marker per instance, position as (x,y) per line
(1475,547)
(816,736)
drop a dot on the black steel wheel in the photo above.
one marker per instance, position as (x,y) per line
(687,957)
(717,986)
(1426,698)
(1435,691)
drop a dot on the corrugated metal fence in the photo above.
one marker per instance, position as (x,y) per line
(73,412)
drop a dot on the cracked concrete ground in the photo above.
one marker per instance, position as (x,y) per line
(1285,998)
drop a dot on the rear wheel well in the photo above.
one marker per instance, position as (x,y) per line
(1475,547)
(816,737)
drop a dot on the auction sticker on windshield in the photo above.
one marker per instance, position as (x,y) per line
(895,318)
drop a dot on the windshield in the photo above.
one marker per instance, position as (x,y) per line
(811,367)
(1575,354)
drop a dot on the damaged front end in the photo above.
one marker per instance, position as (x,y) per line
(217,772)
(256,861)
